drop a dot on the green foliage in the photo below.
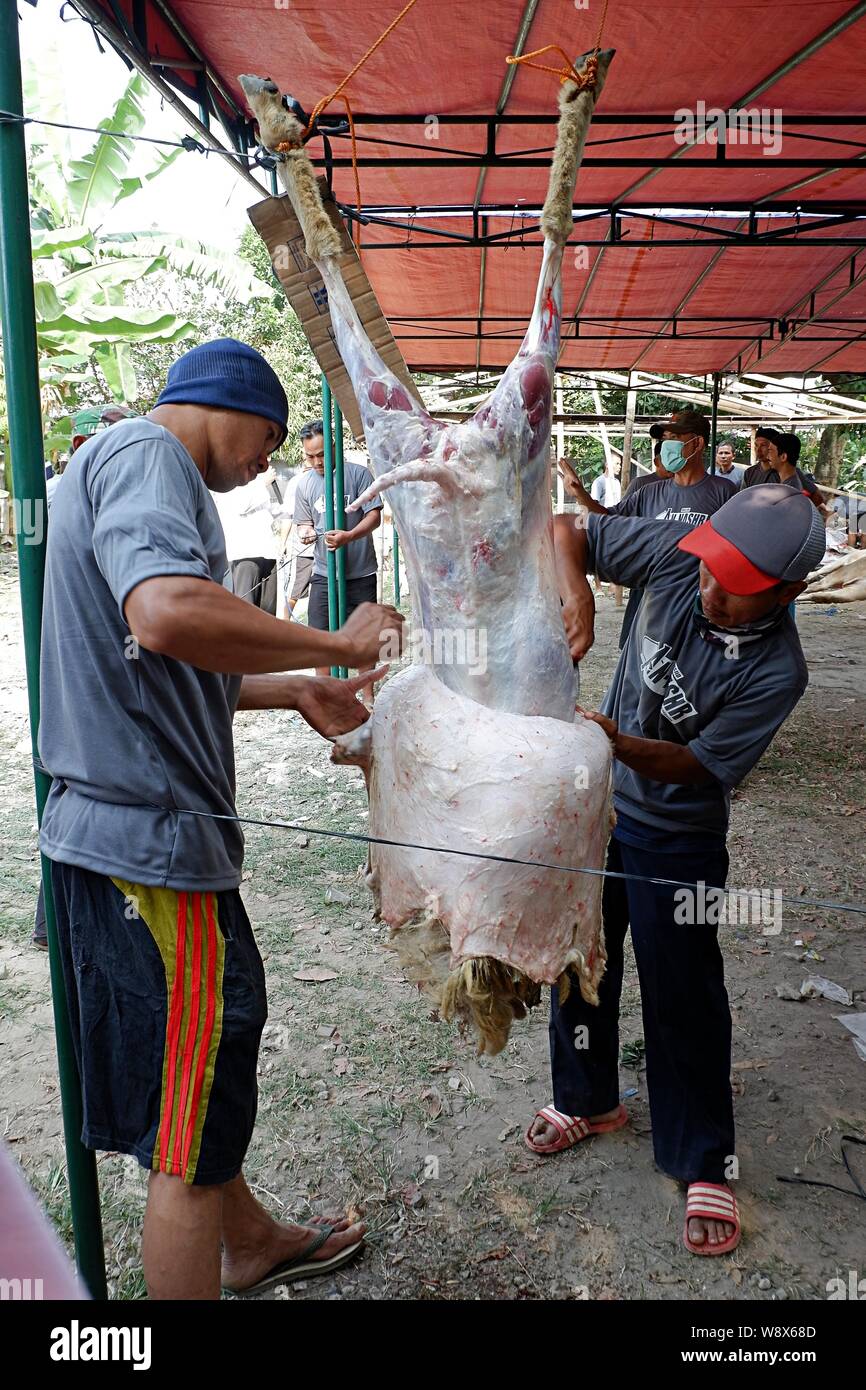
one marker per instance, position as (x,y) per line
(97,293)
(267,322)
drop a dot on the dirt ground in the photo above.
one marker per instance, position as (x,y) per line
(367,1100)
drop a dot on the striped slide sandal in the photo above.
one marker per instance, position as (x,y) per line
(571,1129)
(713,1201)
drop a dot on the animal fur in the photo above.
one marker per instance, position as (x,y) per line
(282,133)
(576,106)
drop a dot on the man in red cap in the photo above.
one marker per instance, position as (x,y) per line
(711,669)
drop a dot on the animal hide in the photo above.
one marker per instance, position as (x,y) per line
(476,746)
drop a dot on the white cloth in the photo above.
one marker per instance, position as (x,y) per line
(250,517)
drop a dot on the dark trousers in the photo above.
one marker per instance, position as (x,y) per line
(686,1016)
(256,581)
(358,591)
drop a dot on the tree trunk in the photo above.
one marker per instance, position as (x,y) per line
(831,448)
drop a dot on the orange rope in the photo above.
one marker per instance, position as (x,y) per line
(317,110)
(567,73)
(339,93)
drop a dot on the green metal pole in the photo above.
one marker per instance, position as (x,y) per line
(333,611)
(28,485)
(717,383)
(340,510)
(396,551)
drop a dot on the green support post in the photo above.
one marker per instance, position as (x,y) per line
(340,511)
(333,611)
(395,546)
(18,318)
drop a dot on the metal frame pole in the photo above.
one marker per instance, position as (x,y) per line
(28,483)
(340,514)
(717,384)
(333,611)
(395,546)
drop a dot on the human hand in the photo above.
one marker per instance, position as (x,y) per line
(335,539)
(578,616)
(331,706)
(609,726)
(374,631)
(573,486)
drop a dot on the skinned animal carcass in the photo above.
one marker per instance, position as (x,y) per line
(476,747)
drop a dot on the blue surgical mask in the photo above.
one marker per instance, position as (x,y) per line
(673,458)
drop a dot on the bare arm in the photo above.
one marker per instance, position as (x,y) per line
(335,539)
(575,488)
(578,604)
(197,621)
(656,759)
(331,707)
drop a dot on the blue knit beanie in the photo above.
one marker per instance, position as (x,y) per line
(231,376)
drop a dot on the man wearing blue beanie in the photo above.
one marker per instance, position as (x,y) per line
(146,655)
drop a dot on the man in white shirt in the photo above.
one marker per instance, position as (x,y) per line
(250,520)
(607,488)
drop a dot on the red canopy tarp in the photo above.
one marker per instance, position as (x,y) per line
(735,304)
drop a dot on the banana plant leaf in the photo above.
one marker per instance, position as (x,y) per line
(49,305)
(80,331)
(83,286)
(95,182)
(164,160)
(116,363)
(219,270)
(49,241)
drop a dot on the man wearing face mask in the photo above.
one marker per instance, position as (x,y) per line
(711,670)
(685,492)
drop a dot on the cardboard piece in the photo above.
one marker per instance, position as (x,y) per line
(277,225)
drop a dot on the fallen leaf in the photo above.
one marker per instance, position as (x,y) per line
(499,1253)
(505,1133)
(433,1102)
(752,1065)
(316,974)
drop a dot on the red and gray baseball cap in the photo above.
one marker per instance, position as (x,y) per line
(768,534)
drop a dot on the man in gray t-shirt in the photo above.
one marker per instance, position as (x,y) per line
(690,495)
(146,655)
(355,537)
(711,669)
